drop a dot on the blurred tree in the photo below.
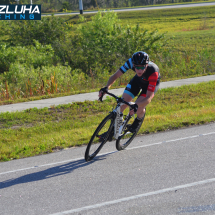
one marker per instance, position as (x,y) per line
(65,5)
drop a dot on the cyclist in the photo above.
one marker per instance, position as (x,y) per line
(146,80)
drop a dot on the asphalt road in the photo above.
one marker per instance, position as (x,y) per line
(144,8)
(164,174)
(93,96)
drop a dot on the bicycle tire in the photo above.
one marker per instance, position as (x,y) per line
(122,143)
(90,152)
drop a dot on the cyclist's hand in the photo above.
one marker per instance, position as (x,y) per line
(102,91)
(133,109)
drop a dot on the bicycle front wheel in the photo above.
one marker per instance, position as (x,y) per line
(99,137)
(126,136)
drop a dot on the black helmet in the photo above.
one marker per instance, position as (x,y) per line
(140,58)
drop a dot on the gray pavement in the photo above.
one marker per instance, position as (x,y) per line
(165,173)
(93,96)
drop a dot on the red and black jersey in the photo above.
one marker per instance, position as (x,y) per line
(151,77)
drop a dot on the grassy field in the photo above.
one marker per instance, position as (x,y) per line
(33,132)
(164,20)
(172,20)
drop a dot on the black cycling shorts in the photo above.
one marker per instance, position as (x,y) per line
(136,85)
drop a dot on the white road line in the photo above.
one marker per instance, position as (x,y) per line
(76,159)
(168,141)
(135,197)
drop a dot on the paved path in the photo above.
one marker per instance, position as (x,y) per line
(143,8)
(93,96)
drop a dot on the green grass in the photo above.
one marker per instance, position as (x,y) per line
(33,132)
(171,20)
(164,20)
(193,40)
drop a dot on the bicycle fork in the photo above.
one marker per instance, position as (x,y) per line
(118,125)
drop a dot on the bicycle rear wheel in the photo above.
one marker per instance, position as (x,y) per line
(100,137)
(126,136)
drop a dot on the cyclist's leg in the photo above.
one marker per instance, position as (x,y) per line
(140,117)
(131,91)
(127,98)
(141,111)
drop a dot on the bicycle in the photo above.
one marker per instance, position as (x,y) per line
(111,126)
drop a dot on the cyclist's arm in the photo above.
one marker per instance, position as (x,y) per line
(128,65)
(113,78)
(143,101)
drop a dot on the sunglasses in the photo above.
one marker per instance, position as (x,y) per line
(140,67)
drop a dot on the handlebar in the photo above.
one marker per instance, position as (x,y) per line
(116,97)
